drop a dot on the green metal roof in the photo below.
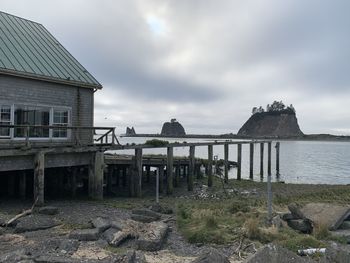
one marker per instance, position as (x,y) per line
(27,49)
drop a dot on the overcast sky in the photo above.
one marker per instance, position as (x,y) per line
(206,62)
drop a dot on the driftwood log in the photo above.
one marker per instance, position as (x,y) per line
(23,214)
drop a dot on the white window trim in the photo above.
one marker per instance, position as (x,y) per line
(52,108)
(11,119)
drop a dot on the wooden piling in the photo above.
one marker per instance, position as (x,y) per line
(177,175)
(39,177)
(110,179)
(161,178)
(191,168)
(131,179)
(169,169)
(148,173)
(99,172)
(261,159)
(210,165)
(239,161)
(138,172)
(124,175)
(22,184)
(269,158)
(277,158)
(226,164)
(117,172)
(251,161)
(73,181)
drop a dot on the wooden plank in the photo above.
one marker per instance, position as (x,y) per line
(169,169)
(226,164)
(261,159)
(210,165)
(251,161)
(191,168)
(269,158)
(239,161)
(39,177)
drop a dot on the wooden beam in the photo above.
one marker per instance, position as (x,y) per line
(169,169)
(210,165)
(39,178)
(251,161)
(191,168)
(226,164)
(269,158)
(261,159)
(239,161)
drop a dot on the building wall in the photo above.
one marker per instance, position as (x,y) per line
(40,93)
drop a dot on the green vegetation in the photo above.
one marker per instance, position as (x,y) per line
(156,143)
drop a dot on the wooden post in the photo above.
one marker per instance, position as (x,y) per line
(277,158)
(239,161)
(161,178)
(210,165)
(99,169)
(177,175)
(138,172)
(251,161)
(169,169)
(131,180)
(269,158)
(198,171)
(157,186)
(226,153)
(110,178)
(124,176)
(73,181)
(39,177)
(117,172)
(148,173)
(191,169)
(22,184)
(261,159)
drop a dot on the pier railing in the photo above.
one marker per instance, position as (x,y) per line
(50,135)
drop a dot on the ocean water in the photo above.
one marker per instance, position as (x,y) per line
(307,162)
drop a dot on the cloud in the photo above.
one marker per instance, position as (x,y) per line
(206,63)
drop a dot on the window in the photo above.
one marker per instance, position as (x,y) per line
(60,118)
(28,115)
(5,119)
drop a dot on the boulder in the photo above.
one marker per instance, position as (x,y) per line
(2,231)
(85,234)
(101,224)
(34,223)
(288,216)
(48,210)
(14,256)
(278,222)
(295,211)
(345,225)
(302,225)
(210,256)
(276,254)
(152,236)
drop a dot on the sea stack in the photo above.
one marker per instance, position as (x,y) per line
(173,128)
(276,121)
(130,131)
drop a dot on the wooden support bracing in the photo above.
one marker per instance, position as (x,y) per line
(191,168)
(226,164)
(261,159)
(239,161)
(170,169)
(39,177)
(210,165)
(251,161)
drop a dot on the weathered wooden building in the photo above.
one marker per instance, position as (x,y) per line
(46,109)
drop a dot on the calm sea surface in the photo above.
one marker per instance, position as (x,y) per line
(310,162)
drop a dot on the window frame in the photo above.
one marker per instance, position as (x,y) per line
(9,122)
(51,113)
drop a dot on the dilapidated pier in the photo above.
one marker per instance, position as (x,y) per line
(32,169)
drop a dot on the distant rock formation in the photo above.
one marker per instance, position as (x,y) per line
(173,128)
(277,121)
(130,131)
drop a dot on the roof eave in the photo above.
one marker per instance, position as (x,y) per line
(50,79)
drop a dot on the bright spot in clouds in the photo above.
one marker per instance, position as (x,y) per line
(156,25)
